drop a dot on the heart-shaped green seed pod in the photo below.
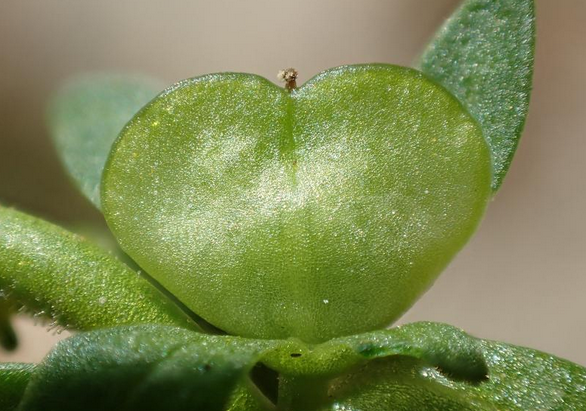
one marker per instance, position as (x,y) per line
(314,212)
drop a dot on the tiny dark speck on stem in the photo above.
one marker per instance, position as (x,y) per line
(289,77)
(295,355)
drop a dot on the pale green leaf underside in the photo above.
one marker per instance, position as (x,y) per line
(484,55)
(60,275)
(85,118)
(409,368)
(313,214)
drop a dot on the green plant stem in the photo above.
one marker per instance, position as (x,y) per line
(301,393)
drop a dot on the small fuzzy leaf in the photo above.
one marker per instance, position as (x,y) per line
(455,352)
(519,379)
(85,118)
(142,368)
(13,380)
(523,379)
(484,55)
(58,274)
(395,384)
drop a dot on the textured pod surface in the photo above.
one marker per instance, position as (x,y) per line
(484,55)
(315,214)
(59,275)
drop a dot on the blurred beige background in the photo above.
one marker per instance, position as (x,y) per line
(522,279)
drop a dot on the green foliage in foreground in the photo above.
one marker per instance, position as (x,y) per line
(420,366)
(301,221)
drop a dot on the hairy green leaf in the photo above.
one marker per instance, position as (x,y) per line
(313,214)
(14,378)
(85,118)
(132,367)
(484,55)
(519,379)
(523,379)
(395,384)
(144,368)
(310,373)
(455,352)
(60,275)
(416,367)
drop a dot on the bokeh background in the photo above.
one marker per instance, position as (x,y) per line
(522,279)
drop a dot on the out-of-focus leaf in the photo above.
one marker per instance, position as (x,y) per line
(484,55)
(13,380)
(58,274)
(143,368)
(85,118)
(8,339)
(247,397)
